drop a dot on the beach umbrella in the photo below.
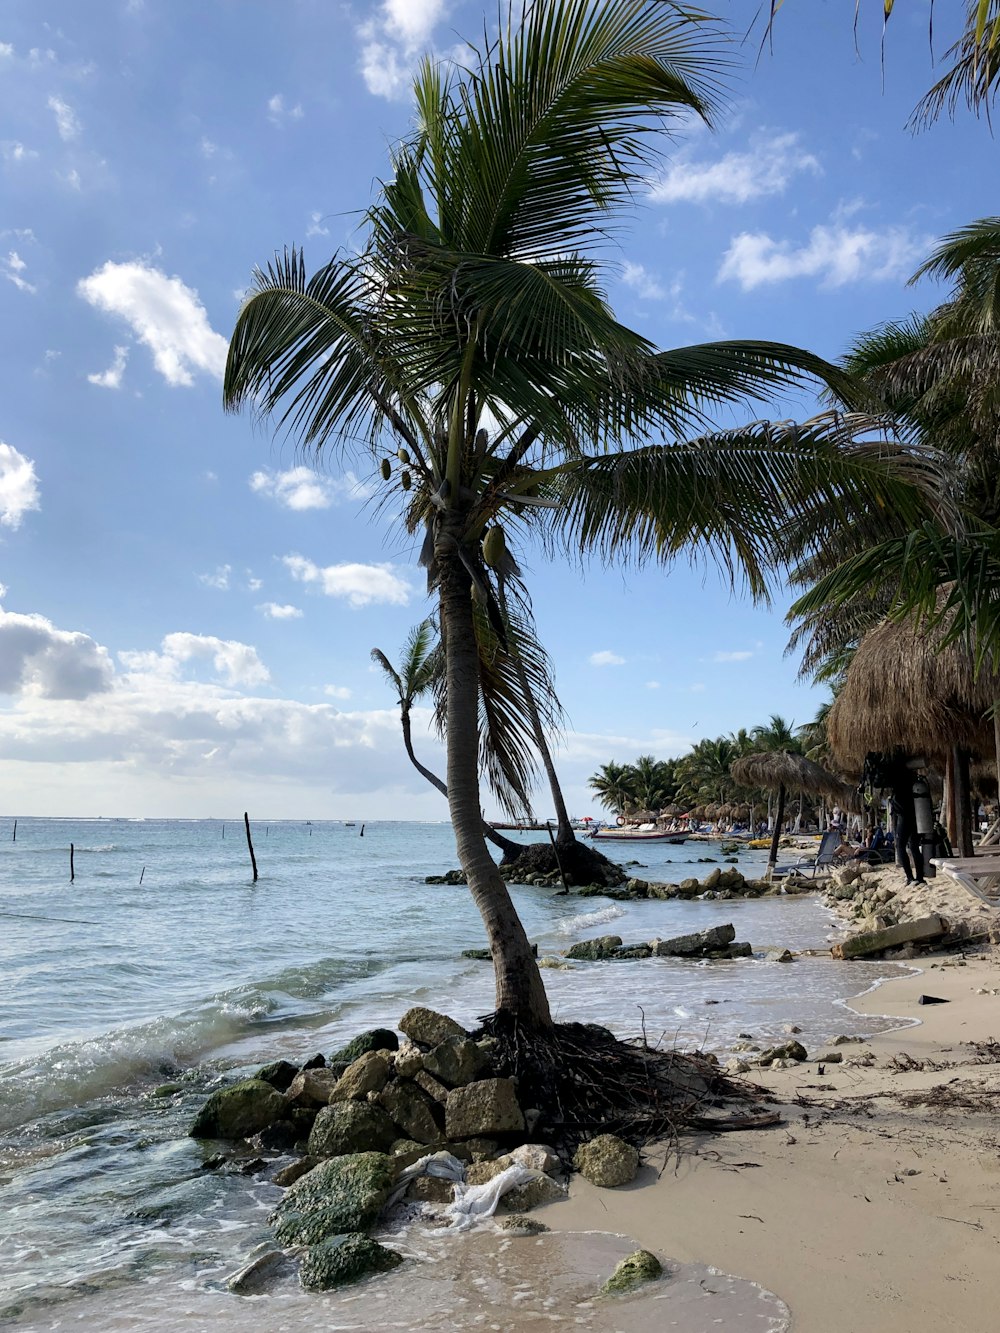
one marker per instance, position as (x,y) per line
(777,770)
(906,690)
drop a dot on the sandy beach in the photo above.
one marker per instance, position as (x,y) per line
(874,1206)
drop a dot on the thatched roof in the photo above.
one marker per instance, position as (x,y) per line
(772,769)
(904,691)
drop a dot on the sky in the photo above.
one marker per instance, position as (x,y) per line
(188,603)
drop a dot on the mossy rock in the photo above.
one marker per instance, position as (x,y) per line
(351,1127)
(639,1267)
(376,1039)
(240,1111)
(341,1195)
(344,1259)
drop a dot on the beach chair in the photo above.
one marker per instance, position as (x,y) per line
(823,860)
(979,874)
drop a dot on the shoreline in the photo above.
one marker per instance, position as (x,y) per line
(870,1207)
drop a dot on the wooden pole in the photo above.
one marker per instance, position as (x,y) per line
(72,871)
(143,872)
(772,858)
(14,834)
(253,859)
(562,873)
(963,802)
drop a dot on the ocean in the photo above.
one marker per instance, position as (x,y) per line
(163,964)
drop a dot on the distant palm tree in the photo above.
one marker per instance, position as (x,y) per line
(468,344)
(612,784)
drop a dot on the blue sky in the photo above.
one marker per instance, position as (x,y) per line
(188,605)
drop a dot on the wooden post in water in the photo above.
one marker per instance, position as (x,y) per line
(562,873)
(143,872)
(253,859)
(14,834)
(72,871)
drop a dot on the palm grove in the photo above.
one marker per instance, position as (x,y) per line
(468,349)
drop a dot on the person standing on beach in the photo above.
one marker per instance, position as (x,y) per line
(904,824)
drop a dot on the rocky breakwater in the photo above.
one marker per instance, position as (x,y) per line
(377,1120)
(889,919)
(718,884)
(716,942)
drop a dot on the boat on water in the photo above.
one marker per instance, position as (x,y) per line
(640,833)
(522,826)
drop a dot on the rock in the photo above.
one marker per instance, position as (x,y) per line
(593,950)
(430,1189)
(482,1150)
(408,1060)
(282,1136)
(741,950)
(414,1113)
(789,1050)
(237,1112)
(831,1058)
(633,951)
(537,1157)
(712,879)
(351,1127)
(368,1073)
(639,1267)
(279,1074)
(375,1039)
(456,1061)
(288,1175)
(260,1274)
(428,1028)
(607,1161)
(344,1259)
(844,1040)
(316,1062)
(312,1087)
(715,939)
(517,1225)
(480,1173)
(533,1193)
(405,1152)
(488,1106)
(735,1066)
(857,946)
(780,956)
(338,1196)
(435,1090)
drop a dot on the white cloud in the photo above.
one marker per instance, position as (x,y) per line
(652,684)
(18,486)
(605,658)
(316,227)
(358,585)
(163,313)
(66,121)
(38,660)
(739,656)
(3,591)
(218,580)
(835,254)
(302,488)
(274,611)
(337,691)
(13,151)
(278,113)
(237,662)
(735,178)
(112,377)
(391,41)
(6,50)
(72,179)
(642,281)
(12,267)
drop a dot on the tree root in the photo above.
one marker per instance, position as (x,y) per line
(584,1081)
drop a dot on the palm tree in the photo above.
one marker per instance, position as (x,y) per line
(470,334)
(973,60)
(419,671)
(613,786)
(705,770)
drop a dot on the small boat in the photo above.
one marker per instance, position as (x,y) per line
(642,834)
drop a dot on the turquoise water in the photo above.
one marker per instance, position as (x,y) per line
(164,962)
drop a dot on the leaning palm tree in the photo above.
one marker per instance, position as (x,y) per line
(613,784)
(468,341)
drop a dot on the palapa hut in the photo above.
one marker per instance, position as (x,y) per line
(905,691)
(777,770)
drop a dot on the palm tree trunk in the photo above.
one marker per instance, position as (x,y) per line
(519,989)
(772,858)
(509,848)
(564,829)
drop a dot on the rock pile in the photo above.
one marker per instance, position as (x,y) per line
(360,1118)
(716,942)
